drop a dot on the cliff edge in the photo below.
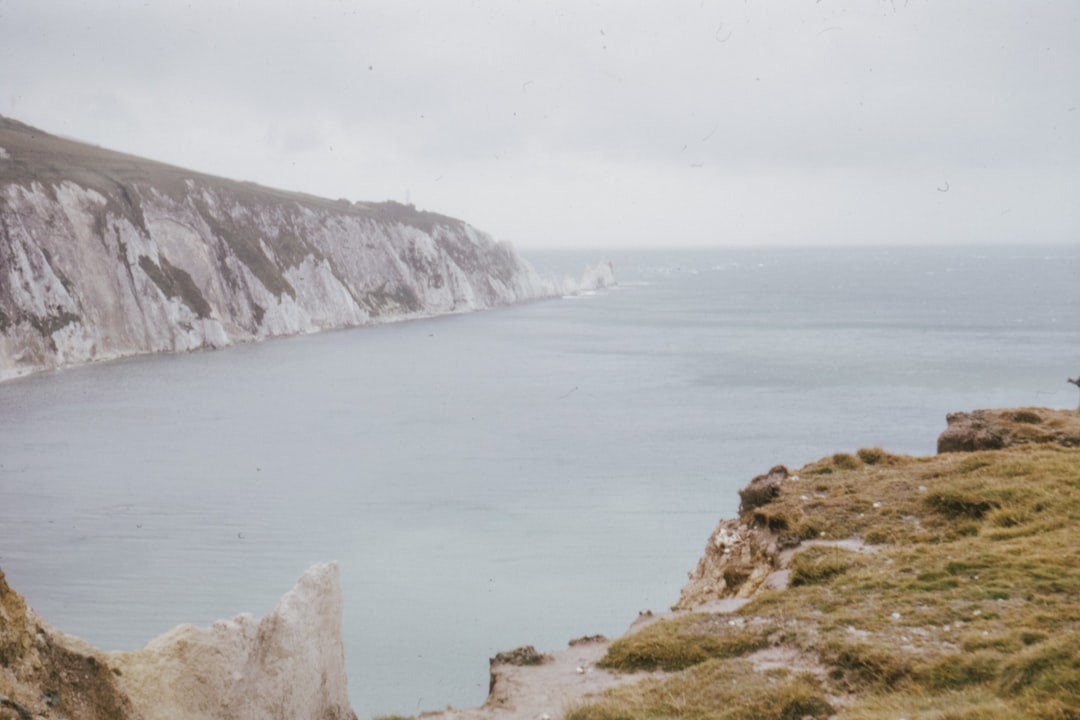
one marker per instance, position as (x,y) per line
(287,664)
(752,552)
(864,584)
(876,585)
(104,255)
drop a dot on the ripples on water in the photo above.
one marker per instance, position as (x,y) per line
(520,476)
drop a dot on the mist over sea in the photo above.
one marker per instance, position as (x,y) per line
(520,476)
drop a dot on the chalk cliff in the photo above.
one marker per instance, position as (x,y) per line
(104,255)
(288,664)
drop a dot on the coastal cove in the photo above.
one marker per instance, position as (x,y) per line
(524,475)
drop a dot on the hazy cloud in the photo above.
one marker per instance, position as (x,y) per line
(591,122)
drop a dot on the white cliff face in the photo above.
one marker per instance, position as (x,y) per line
(287,665)
(99,260)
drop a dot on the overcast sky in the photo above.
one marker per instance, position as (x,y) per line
(592,123)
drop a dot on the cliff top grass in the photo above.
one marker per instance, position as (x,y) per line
(36,156)
(958,599)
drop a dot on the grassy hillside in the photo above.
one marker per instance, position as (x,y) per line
(960,600)
(37,156)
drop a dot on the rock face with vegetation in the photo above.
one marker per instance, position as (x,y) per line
(944,587)
(996,429)
(288,664)
(104,255)
(46,674)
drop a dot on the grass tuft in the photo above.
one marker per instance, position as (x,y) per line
(818,564)
(1047,669)
(857,665)
(955,505)
(715,690)
(877,456)
(683,642)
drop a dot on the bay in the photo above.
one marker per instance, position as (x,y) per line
(520,476)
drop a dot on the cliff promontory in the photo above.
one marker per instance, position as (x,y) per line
(104,255)
(882,586)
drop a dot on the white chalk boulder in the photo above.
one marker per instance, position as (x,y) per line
(289,664)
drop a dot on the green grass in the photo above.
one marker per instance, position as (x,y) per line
(714,690)
(968,605)
(688,640)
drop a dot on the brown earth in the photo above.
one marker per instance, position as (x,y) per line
(44,673)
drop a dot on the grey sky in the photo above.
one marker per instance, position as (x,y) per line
(604,123)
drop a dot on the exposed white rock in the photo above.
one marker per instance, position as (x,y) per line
(287,665)
(592,279)
(115,256)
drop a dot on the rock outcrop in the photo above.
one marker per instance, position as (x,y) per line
(43,673)
(741,553)
(288,664)
(104,255)
(739,558)
(997,429)
(762,489)
(752,551)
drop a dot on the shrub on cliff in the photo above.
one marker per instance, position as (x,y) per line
(762,489)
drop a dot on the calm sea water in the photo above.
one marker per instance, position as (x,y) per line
(521,476)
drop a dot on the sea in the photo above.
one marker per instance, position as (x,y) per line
(520,476)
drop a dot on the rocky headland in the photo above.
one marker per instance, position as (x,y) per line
(863,585)
(105,255)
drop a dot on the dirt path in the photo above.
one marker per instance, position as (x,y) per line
(545,691)
(564,680)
